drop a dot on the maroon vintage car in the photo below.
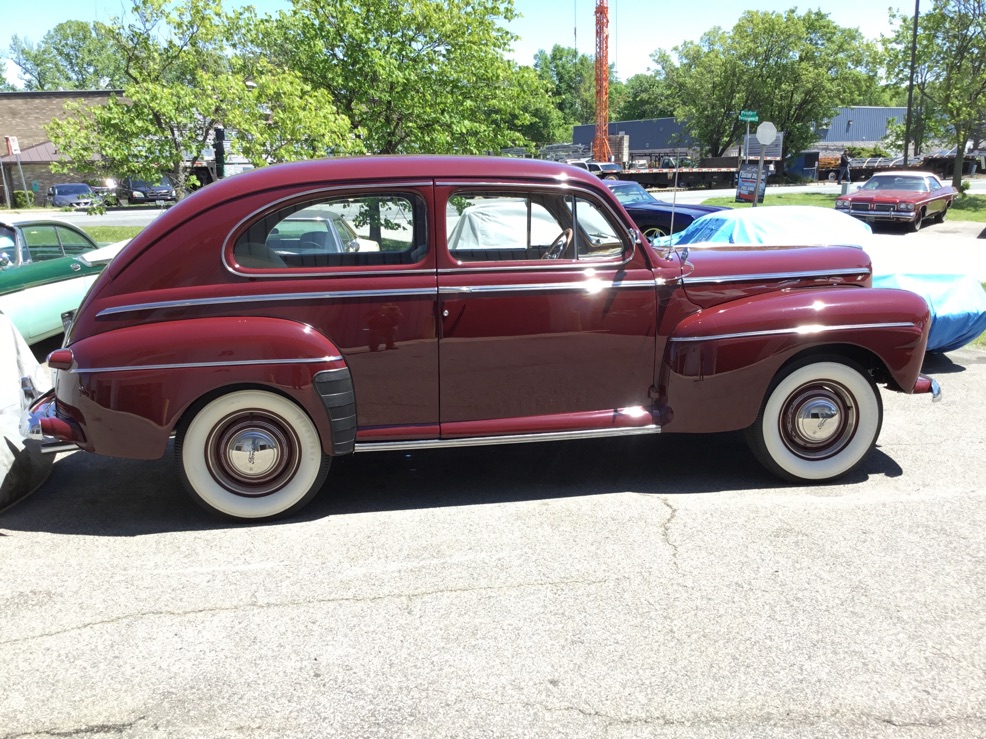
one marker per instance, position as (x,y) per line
(900,197)
(266,349)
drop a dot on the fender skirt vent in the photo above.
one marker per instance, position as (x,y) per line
(335,388)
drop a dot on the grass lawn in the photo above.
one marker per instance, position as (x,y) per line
(112,234)
(965,207)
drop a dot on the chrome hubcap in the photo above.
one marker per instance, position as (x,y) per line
(252,454)
(818,420)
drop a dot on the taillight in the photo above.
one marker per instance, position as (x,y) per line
(61,359)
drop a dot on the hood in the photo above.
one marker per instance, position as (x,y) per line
(717,274)
(883,196)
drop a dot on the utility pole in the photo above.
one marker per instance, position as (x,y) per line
(910,84)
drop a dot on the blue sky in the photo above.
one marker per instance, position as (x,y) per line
(637,27)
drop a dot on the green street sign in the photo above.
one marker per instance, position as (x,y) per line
(750,116)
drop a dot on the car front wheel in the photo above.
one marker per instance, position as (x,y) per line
(820,418)
(251,455)
(918,221)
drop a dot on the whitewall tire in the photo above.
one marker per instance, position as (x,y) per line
(251,454)
(820,418)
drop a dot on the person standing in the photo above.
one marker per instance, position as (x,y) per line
(844,161)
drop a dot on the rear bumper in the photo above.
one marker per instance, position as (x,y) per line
(39,421)
(925,384)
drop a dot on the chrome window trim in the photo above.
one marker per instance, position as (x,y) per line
(717,280)
(570,188)
(593,284)
(200,365)
(807,330)
(273,206)
(268,298)
(471,441)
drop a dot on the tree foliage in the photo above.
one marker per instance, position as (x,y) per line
(412,76)
(73,55)
(181,81)
(949,75)
(644,96)
(794,70)
(571,80)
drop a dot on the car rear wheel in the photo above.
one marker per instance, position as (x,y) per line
(820,418)
(251,455)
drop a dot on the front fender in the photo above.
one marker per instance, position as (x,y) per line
(720,362)
(127,389)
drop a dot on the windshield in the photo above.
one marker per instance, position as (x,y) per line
(143,183)
(72,190)
(912,184)
(632,192)
(610,168)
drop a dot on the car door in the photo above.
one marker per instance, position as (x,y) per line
(533,341)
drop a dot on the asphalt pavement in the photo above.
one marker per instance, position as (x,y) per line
(654,586)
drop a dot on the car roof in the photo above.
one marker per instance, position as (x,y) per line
(905,173)
(26,223)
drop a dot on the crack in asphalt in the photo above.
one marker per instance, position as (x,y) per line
(292,604)
(81,731)
(666,532)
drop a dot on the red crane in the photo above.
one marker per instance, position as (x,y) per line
(600,143)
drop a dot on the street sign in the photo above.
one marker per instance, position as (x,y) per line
(750,116)
(766,133)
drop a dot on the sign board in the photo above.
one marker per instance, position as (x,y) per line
(750,116)
(12,146)
(773,151)
(746,183)
(766,133)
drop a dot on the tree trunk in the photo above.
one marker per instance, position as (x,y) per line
(959,160)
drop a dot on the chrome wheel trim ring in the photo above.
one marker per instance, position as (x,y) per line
(252,453)
(818,420)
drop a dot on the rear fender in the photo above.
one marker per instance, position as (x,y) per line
(720,362)
(140,381)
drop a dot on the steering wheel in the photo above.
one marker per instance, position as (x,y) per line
(559,245)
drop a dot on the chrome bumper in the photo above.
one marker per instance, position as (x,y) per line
(34,408)
(925,384)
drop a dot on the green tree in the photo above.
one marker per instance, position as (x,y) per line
(73,55)
(950,72)
(572,82)
(412,76)
(181,82)
(644,96)
(794,70)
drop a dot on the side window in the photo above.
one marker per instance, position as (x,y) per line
(361,231)
(73,242)
(42,243)
(934,184)
(510,226)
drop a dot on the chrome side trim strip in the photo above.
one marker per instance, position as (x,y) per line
(591,285)
(387,446)
(857,272)
(269,298)
(800,330)
(200,365)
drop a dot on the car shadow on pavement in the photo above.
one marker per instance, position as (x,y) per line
(100,496)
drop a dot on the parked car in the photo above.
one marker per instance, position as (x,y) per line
(131,191)
(264,369)
(40,275)
(900,197)
(605,170)
(656,217)
(956,300)
(71,195)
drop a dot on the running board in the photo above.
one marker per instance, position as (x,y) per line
(388,446)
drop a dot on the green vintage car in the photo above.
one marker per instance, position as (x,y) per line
(41,276)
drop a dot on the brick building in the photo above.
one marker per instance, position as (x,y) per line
(24,115)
